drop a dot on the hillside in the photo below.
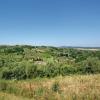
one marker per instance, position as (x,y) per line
(49,73)
(25,62)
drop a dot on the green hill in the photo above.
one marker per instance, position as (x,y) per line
(25,62)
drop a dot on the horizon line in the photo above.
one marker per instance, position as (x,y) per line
(62,46)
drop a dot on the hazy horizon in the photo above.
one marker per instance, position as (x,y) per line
(50,22)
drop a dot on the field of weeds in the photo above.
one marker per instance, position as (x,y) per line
(73,87)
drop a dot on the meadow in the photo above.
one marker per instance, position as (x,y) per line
(74,87)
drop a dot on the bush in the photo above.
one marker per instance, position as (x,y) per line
(56,87)
(90,66)
(51,70)
(6,73)
(66,70)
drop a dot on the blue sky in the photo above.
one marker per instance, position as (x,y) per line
(50,22)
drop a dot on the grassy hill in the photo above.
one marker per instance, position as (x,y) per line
(49,73)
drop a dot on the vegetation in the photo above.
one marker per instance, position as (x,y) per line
(26,62)
(74,87)
(49,73)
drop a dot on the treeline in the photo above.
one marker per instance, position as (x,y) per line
(26,62)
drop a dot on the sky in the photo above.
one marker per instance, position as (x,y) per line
(50,22)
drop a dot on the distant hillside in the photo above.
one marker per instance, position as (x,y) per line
(79,47)
(25,61)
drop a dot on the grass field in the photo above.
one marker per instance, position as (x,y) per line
(74,87)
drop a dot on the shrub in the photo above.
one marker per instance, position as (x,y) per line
(56,87)
(91,65)
(66,70)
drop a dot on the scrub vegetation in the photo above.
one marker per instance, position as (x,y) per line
(49,73)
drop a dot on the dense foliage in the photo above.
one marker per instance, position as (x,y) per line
(24,62)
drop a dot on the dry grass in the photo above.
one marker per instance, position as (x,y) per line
(81,87)
(76,87)
(7,96)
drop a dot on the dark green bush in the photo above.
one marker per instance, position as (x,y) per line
(56,87)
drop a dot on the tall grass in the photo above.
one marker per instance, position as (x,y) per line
(77,87)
